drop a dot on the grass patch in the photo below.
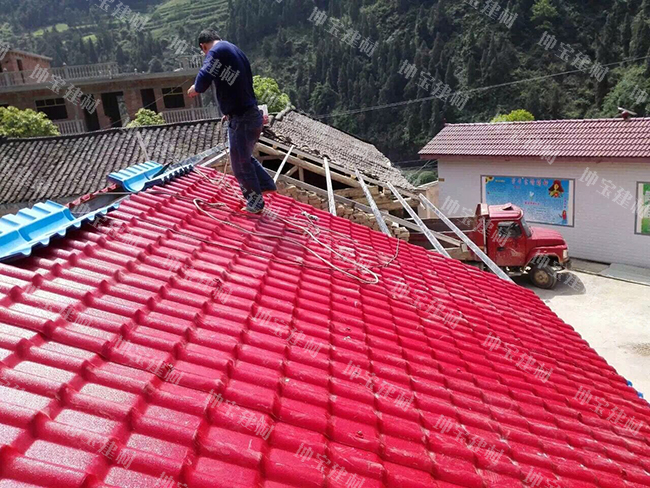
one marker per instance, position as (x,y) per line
(59,27)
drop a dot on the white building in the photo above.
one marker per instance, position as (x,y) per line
(588,179)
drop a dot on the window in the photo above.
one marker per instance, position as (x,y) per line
(54,108)
(526,227)
(173,97)
(643,208)
(509,230)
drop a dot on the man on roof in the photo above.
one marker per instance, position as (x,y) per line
(228,68)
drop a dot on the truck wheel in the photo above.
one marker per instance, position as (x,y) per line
(543,277)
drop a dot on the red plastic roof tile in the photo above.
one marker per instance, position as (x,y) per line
(163,348)
(549,139)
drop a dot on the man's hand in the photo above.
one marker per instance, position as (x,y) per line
(224,119)
(192,92)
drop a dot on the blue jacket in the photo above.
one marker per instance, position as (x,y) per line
(228,67)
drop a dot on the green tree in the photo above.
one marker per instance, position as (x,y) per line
(630,92)
(543,14)
(520,115)
(120,57)
(92,53)
(322,99)
(25,123)
(626,35)
(268,92)
(146,117)
(155,66)
(472,72)
(640,36)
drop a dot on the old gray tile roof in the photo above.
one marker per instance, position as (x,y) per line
(36,169)
(340,147)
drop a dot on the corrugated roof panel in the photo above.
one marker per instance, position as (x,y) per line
(36,226)
(166,348)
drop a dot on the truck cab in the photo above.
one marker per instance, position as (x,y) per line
(505,236)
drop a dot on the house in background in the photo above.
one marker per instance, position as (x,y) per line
(26,81)
(588,179)
(63,168)
(17,61)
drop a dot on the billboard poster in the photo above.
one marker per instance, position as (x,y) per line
(643,209)
(543,200)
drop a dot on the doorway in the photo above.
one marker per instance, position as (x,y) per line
(112,108)
(19,62)
(92,119)
(149,99)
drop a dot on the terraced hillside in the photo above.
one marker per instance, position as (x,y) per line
(34,18)
(190,15)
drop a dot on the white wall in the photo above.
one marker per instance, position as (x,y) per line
(431,192)
(603,230)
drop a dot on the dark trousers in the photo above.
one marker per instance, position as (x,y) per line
(243,133)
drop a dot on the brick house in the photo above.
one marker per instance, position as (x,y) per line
(588,179)
(16,61)
(106,97)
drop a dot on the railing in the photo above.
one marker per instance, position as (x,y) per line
(74,126)
(100,70)
(43,75)
(189,114)
(191,62)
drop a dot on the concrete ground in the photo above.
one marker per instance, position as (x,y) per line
(622,272)
(613,316)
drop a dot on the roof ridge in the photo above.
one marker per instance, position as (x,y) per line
(530,122)
(27,53)
(111,130)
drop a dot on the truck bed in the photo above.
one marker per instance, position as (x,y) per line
(437,225)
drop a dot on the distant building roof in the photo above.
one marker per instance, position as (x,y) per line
(36,169)
(550,139)
(164,348)
(27,53)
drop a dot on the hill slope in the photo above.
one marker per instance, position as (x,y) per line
(457,44)
(414,46)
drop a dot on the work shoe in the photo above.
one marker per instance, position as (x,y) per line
(253,210)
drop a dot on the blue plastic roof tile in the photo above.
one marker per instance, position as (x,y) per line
(134,178)
(34,227)
(168,176)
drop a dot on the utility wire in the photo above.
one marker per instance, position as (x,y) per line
(473,90)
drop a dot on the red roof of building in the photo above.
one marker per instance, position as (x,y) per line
(549,139)
(170,349)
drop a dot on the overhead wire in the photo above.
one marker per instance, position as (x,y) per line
(473,90)
(316,230)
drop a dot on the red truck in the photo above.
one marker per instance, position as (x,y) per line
(502,233)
